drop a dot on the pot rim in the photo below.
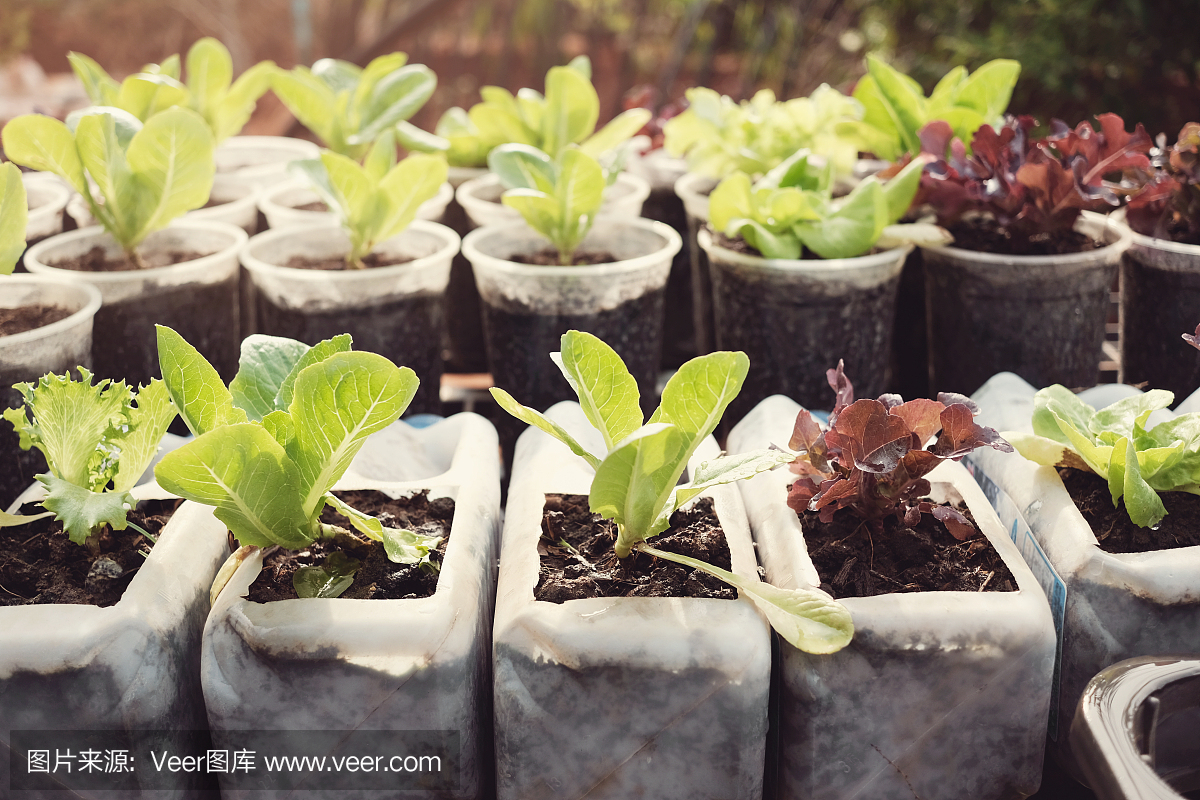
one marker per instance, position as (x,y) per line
(671,245)
(269,204)
(1154,243)
(804,265)
(639,190)
(257,265)
(247,197)
(91,304)
(1107,226)
(34,264)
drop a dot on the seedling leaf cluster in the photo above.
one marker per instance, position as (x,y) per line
(1167,206)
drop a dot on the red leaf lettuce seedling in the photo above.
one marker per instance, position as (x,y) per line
(874,455)
(637,479)
(1167,206)
(269,449)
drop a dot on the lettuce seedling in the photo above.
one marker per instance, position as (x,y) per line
(377,200)
(792,208)
(348,107)
(97,440)
(135,177)
(1167,204)
(269,448)
(566,115)
(208,88)
(895,106)
(559,198)
(875,454)
(1030,186)
(719,137)
(1115,444)
(637,479)
(14,216)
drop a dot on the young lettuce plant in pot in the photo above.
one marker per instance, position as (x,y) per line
(365,572)
(380,275)
(659,650)
(565,115)
(149,266)
(103,605)
(1106,484)
(1026,286)
(1159,271)
(601,274)
(799,277)
(944,691)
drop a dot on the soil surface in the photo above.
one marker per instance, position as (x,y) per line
(588,567)
(371,260)
(40,565)
(549,258)
(378,578)
(315,205)
(1112,527)
(27,318)
(984,235)
(853,562)
(98,260)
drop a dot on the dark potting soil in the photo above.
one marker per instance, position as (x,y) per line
(39,564)
(679,329)
(371,260)
(588,567)
(98,260)
(854,562)
(984,235)
(315,205)
(27,318)
(378,578)
(1116,532)
(1157,305)
(407,330)
(549,258)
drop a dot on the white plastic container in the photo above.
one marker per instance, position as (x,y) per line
(622,697)
(405,665)
(262,159)
(481,199)
(198,298)
(280,204)
(940,695)
(238,203)
(395,311)
(1113,606)
(47,198)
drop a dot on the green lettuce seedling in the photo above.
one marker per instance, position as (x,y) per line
(637,479)
(896,108)
(97,440)
(566,115)
(135,177)
(559,198)
(208,89)
(14,216)
(348,107)
(1115,444)
(719,137)
(270,447)
(792,208)
(377,200)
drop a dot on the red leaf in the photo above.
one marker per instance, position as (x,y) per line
(959,526)
(842,386)
(960,434)
(922,416)
(950,398)
(805,433)
(1193,339)
(936,137)
(874,439)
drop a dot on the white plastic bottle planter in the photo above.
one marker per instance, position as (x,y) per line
(388,665)
(283,203)
(694,190)
(198,298)
(481,199)
(622,697)
(26,357)
(128,667)
(47,198)
(262,159)
(1113,606)
(940,695)
(395,311)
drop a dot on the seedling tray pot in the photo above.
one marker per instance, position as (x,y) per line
(480,197)
(262,159)
(47,197)
(279,204)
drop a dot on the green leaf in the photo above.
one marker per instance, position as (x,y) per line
(245,474)
(14,216)
(337,404)
(1056,404)
(98,142)
(308,98)
(619,130)
(903,101)
(209,74)
(202,399)
(45,144)
(851,230)
(101,89)
(148,423)
(990,88)
(172,156)
(416,140)
(1040,450)
(235,107)
(520,166)
(581,64)
(1121,415)
(770,244)
(82,511)
(729,469)
(381,157)
(145,95)
(635,481)
(338,75)
(1143,503)
(607,392)
(698,393)
(572,108)
(731,200)
(900,190)
(402,546)
(537,420)
(281,427)
(331,579)
(314,355)
(413,181)
(395,98)
(263,366)
(580,193)
(539,210)
(12,520)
